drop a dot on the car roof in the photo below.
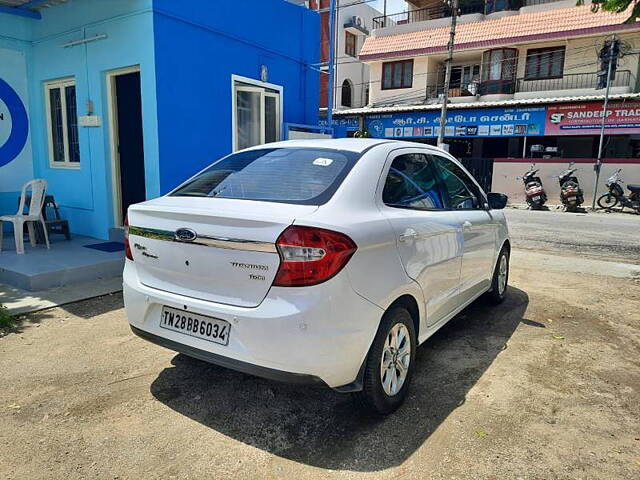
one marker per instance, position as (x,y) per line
(358,145)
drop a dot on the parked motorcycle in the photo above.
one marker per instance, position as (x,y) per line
(534,192)
(616,195)
(570,192)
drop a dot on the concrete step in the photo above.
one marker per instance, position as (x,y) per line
(66,263)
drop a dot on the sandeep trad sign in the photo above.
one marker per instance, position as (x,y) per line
(586,119)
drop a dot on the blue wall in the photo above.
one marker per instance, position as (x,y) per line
(85,194)
(187,52)
(15,59)
(199,45)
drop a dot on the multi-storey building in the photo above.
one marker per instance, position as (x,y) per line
(354,21)
(524,79)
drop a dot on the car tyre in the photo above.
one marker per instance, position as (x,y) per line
(500,281)
(390,363)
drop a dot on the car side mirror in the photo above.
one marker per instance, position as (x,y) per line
(497,201)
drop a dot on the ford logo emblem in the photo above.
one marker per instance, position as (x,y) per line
(185,235)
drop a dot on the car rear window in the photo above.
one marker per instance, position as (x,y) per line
(307,176)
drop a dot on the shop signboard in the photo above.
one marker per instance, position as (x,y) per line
(586,119)
(467,123)
(350,122)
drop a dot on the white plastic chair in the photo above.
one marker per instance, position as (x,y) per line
(38,189)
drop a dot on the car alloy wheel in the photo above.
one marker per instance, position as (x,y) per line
(396,358)
(503,270)
(390,363)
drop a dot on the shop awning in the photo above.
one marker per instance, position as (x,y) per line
(27,8)
(501,103)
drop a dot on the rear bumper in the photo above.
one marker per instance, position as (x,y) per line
(311,334)
(258,371)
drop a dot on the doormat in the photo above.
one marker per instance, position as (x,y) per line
(107,246)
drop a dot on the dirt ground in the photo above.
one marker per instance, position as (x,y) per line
(546,386)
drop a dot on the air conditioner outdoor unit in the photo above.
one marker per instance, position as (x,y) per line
(357,20)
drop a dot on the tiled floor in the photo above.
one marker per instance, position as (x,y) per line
(67,262)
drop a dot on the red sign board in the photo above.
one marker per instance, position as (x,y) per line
(586,119)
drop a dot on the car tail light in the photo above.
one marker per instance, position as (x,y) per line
(311,255)
(127,247)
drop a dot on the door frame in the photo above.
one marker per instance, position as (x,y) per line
(250,82)
(112,108)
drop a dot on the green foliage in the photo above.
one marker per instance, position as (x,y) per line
(6,320)
(617,6)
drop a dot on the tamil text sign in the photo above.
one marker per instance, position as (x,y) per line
(486,122)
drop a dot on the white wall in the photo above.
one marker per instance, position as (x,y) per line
(507,178)
(348,67)
(423,68)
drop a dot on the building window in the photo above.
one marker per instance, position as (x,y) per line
(62,123)
(350,44)
(544,63)
(499,71)
(492,6)
(397,74)
(257,111)
(346,94)
(464,80)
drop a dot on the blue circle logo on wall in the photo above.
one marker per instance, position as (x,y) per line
(19,124)
(376,128)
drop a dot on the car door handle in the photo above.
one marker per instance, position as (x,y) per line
(467,224)
(409,233)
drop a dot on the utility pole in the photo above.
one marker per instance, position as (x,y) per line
(598,165)
(332,21)
(447,73)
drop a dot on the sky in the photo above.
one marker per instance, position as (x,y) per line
(393,6)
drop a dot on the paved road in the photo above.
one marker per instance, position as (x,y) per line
(614,236)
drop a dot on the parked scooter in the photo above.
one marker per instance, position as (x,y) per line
(534,192)
(616,195)
(570,192)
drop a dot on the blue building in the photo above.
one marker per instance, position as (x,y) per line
(113,102)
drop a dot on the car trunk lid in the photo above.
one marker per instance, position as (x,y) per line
(219,250)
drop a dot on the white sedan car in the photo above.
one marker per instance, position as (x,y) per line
(316,261)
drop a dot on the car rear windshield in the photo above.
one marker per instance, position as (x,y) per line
(306,176)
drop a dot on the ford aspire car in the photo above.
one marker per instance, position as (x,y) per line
(316,261)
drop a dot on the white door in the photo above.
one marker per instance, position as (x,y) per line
(428,237)
(479,228)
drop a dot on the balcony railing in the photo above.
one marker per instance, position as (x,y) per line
(474,6)
(530,3)
(493,87)
(423,14)
(571,81)
(435,91)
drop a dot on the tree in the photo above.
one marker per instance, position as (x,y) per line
(617,6)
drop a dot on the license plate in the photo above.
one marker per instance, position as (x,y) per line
(536,198)
(571,199)
(195,325)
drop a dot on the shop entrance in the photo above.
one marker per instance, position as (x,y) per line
(127,146)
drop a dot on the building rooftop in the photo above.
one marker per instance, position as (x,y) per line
(507,30)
